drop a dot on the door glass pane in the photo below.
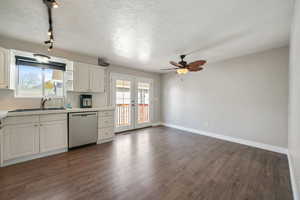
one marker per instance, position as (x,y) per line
(143,102)
(29,81)
(123,100)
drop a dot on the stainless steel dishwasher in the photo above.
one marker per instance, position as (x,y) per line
(83,128)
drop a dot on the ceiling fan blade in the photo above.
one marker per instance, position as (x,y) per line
(175,64)
(197,63)
(195,69)
(173,68)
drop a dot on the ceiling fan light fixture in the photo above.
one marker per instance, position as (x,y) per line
(182,71)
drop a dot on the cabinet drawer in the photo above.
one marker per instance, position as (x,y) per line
(53,117)
(106,113)
(106,122)
(106,133)
(21,120)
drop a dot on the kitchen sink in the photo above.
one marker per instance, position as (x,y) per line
(36,109)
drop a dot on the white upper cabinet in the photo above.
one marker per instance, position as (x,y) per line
(83,83)
(96,79)
(88,78)
(4,67)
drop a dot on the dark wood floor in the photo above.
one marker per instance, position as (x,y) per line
(154,163)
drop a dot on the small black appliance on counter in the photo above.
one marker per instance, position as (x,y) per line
(86,101)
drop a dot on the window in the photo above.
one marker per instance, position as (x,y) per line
(36,79)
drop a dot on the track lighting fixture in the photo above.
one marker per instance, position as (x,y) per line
(51,47)
(50,4)
(55,4)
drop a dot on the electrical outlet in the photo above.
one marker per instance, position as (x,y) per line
(206,124)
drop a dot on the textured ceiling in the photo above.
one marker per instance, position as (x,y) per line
(146,34)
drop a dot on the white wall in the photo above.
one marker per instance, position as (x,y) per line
(245,97)
(7,100)
(294,104)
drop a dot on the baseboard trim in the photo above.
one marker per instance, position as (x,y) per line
(292,175)
(32,157)
(231,139)
(156,124)
(105,140)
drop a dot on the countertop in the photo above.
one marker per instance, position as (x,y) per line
(4,114)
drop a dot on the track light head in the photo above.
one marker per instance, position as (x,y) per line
(50,32)
(55,4)
(51,3)
(51,47)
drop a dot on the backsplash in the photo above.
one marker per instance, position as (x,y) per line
(9,102)
(99,99)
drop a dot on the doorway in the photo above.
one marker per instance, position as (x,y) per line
(132,97)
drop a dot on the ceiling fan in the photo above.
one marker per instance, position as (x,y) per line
(182,67)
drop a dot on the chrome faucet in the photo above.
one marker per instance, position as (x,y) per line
(43,101)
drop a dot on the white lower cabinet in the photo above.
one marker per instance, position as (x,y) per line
(20,140)
(53,136)
(105,126)
(28,137)
(106,133)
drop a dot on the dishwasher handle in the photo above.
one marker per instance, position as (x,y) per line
(83,114)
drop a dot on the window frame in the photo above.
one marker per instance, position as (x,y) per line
(14,74)
(43,87)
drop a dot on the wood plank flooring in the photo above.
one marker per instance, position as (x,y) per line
(152,164)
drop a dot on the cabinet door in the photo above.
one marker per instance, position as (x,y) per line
(106,133)
(1,144)
(53,136)
(81,77)
(3,68)
(20,140)
(96,79)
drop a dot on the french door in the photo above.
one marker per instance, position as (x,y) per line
(132,97)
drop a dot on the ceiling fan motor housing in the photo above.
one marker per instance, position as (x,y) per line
(183,63)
